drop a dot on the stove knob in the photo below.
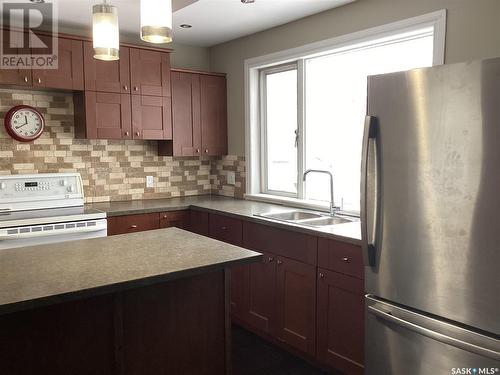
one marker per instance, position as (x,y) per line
(64,182)
(71,189)
(2,185)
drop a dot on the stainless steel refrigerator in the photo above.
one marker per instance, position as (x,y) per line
(431,220)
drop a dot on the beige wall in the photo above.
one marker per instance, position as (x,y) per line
(473,32)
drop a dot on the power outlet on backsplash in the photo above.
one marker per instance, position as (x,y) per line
(150,182)
(231,177)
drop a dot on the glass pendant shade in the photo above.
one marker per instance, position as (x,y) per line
(156,21)
(106,34)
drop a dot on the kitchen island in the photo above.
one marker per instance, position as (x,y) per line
(144,303)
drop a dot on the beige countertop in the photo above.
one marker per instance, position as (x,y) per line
(46,274)
(349,232)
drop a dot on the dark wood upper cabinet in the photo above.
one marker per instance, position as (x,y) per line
(296,304)
(102,115)
(186,119)
(69,72)
(150,72)
(213,115)
(16,77)
(151,117)
(340,321)
(107,76)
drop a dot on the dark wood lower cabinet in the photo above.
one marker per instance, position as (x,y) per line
(198,222)
(296,304)
(178,219)
(340,321)
(238,291)
(132,223)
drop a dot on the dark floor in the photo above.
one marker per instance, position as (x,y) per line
(254,356)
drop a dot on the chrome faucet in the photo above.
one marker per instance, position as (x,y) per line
(333,208)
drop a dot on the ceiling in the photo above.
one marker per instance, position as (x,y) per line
(213,21)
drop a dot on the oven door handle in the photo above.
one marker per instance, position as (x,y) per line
(100,225)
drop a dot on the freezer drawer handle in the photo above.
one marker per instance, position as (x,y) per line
(485,352)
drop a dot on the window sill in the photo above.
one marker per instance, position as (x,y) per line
(294,202)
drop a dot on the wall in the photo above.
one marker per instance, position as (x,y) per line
(111,170)
(473,32)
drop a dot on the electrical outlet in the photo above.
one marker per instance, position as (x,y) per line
(150,182)
(231,177)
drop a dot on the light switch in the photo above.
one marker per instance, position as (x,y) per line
(150,181)
(231,177)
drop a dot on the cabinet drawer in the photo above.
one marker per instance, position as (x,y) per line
(294,245)
(132,223)
(226,229)
(179,219)
(340,257)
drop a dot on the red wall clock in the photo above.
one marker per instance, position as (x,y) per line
(24,123)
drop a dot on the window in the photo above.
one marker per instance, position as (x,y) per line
(311,112)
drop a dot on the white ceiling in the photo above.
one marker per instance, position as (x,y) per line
(213,21)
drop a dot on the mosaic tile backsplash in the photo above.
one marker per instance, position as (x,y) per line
(111,170)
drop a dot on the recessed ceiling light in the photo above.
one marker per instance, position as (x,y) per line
(186,26)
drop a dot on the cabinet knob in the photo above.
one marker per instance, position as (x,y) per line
(321,275)
(223,228)
(137,133)
(197,150)
(136,88)
(125,87)
(270,259)
(39,80)
(164,216)
(280,262)
(127,133)
(25,79)
(206,151)
(346,259)
(133,226)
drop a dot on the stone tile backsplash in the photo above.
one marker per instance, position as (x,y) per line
(111,170)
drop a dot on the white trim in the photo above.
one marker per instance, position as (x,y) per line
(436,20)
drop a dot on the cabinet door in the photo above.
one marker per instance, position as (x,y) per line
(239,291)
(69,72)
(151,117)
(132,223)
(296,299)
(340,321)
(107,76)
(225,228)
(17,77)
(213,115)
(107,116)
(198,222)
(178,219)
(262,294)
(150,72)
(186,114)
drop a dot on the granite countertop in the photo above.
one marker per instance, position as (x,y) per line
(46,274)
(349,232)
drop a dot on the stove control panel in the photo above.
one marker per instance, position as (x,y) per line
(31,192)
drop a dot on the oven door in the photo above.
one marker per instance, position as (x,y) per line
(51,233)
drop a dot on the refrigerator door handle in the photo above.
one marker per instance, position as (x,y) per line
(368,189)
(446,339)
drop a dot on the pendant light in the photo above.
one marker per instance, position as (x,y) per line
(106,34)
(156,21)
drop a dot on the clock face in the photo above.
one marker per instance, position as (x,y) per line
(24,123)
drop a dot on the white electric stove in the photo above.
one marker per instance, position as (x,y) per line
(46,208)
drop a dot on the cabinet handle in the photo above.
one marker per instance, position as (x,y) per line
(270,259)
(137,133)
(321,275)
(223,228)
(39,80)
(206,151)
(25,79)
(346,259)
(125,88)
(280,262)
(164,216)
(127,134)
(197,150)
(133,226)
(136,88)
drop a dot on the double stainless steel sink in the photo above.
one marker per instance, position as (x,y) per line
(307,218)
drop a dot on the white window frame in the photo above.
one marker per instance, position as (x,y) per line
(254,122)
